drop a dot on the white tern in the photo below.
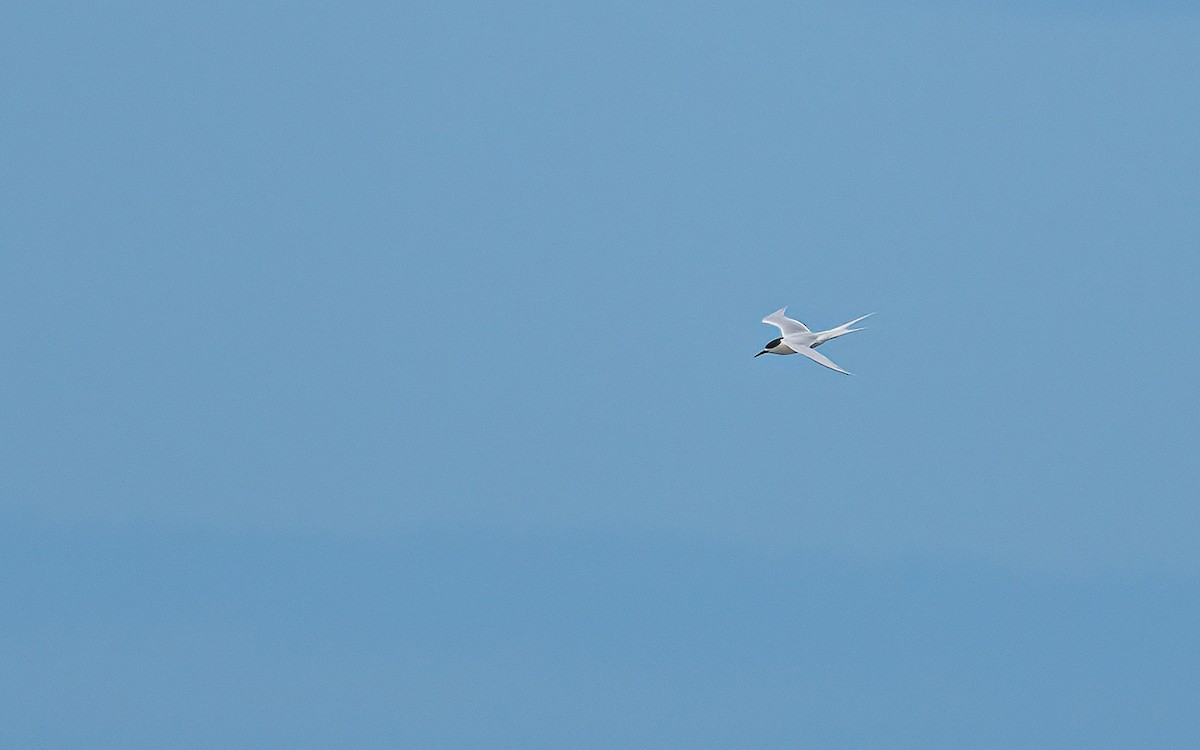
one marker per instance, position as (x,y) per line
(797,339)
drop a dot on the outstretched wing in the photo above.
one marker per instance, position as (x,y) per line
(815,356)
(786,325)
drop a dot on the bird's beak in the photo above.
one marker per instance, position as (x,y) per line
(764,351)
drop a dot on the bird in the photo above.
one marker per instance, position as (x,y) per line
(797,339)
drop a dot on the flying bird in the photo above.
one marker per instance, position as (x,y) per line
(797,339)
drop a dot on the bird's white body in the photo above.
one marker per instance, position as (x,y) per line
(796,338)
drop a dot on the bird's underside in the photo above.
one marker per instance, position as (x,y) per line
(814,355)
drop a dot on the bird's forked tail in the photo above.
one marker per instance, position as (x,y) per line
(841,330)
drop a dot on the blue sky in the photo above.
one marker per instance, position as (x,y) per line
(382,375)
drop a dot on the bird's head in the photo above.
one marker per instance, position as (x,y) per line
(770,345)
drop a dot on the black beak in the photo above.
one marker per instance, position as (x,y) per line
(764,351)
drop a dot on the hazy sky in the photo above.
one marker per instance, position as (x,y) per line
(381,375)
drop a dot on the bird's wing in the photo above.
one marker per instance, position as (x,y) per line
(786,325)
(815,356)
